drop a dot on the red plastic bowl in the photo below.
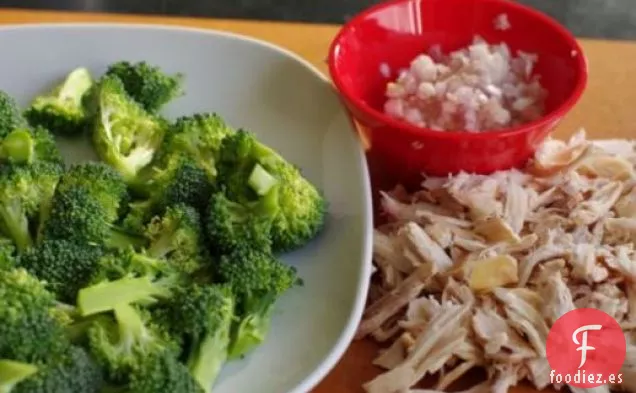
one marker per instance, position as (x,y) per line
(393,33)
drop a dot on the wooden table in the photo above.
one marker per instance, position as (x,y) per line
(608,109)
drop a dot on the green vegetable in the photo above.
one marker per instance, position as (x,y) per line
(147,84)
(199,137)
(176,236)
(178,180)
(123,344)
(125,136)
(27,145)
(257,278)
(25,191)
(150,269)
(66,266)
(10,115)
(32,330)
(127,277)
(76,371)
(159,373)
(202,316)
(62,110)
(248,169)
(12,373)
(234,225)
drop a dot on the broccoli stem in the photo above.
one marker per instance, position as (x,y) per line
(131,327)
(121,239)
(76,84)
(16,225)
(162,246)
(206,361)
(43,217)
(106,296)
(253,327)
(261,181)
(18,147)
(12,373)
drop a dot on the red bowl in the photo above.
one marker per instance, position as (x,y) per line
(394,32)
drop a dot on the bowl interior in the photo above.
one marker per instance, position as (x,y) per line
(389,36)
(290,107)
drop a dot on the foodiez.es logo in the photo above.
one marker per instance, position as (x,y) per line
(586,348)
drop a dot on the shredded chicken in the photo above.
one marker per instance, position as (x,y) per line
(475,269)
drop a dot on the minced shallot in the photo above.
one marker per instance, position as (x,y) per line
(479,88)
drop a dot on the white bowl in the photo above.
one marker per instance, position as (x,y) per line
(290,106)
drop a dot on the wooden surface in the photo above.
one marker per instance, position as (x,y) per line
(607,110)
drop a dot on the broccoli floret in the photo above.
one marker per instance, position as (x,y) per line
(45,147)
(128,277)
(65,265)
(78,216)
(24,146)
(177,180)
(104,183)
(249,170)
(75,372)
(25,191)
(123,344)
(257,279)
(147,84)
(202,316)
(32,329)
(62,110)
(138,215)
(198,136)
(162,374)
(12,373)
(232,225)
(159,373)
(10,115)
(125,136)
(176,236)
(7,253)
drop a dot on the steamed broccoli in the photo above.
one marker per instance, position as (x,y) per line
(78,216)
(257,279)
(67,266)
(126,276)
(198,136)
(7,253)
(178,179)
(125,136)
(249,170)
(148,270)
(32,329)
(147,84)
(10,115)
(12,373)
(104,183)
(162,373)
(24,146)
(232,225)
(62,110)
(176,236)
(25,191)
(123,344)
(202,316)
(76,371)
(86,205)
(138,214)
